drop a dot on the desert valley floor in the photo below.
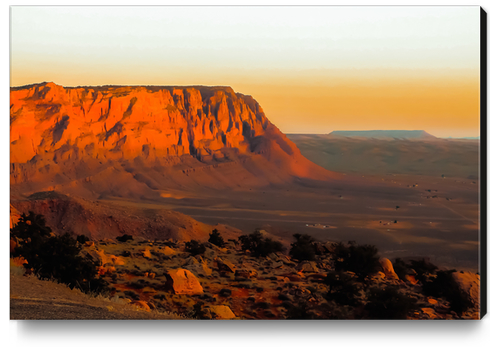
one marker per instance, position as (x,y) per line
(436,217)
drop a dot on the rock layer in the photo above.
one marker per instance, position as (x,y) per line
(69,138)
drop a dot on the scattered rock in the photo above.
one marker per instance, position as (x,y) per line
(225,266)
(430,312)
(246,273)
(199,268)
(222,311)
(411,279)
(432,301)
(388,269)
(330,246)
(167,251)
(378,276)
(225,292)
(307,266)
(469,283)
(116,260)
(182,281)
(146,253)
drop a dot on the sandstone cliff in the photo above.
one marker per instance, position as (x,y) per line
(134,141)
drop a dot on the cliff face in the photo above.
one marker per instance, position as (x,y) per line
(61,135)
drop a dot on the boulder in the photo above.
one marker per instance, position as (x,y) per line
(411,279)
(432,301)
(378,276)
(222,311)
(225,266)
(245,273)
(469,283)
(99,256)
(116,260)
(307,266)
(430,312)
(191,261)
(146,253)
(388,269)
(209,254)
(182,281)
(200,268)
(330,246)
(106,270)
(167,251)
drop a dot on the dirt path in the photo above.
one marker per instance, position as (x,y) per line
(33,299)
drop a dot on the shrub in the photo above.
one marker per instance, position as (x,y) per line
(360,259)
(343,289)
(55,257)
(443,285)
(82,239)
(389,303)
(401,268)
(258,246)
(303,248)
(424,269)
(198,312)
(331,310)
(299,311)
(216,239)
(195,247)
(124,238)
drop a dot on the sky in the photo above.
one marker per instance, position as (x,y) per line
(312,69)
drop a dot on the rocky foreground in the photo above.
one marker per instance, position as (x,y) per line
(229,283)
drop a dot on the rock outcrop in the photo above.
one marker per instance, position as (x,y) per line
(182,281)
(388,269)
(134,141)
(469,283)
(222,312)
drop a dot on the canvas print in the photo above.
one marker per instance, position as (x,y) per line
(247,163)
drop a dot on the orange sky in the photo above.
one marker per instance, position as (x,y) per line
(313,70)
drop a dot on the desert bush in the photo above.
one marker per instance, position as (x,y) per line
(401,268)
(363,260)
(258,245)
(216,239)
(332,310)
(195,247)
(443,285)
(342,288)
(124,238)
(302,248)
(198,312)
(82,238)
(389,303)
(55,257)
(300,311)
(424,269)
